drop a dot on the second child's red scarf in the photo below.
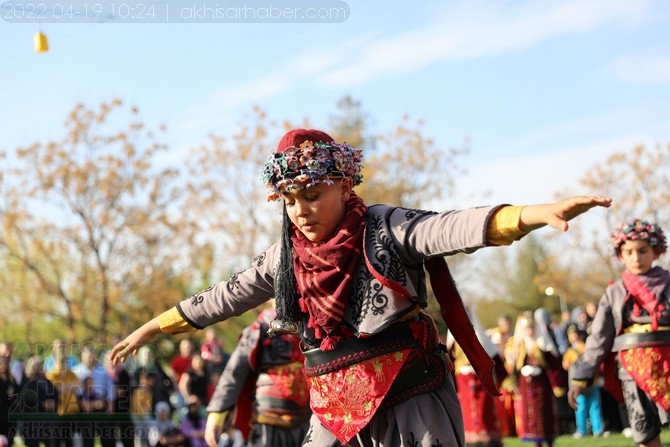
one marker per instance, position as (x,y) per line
(647,290)
(325,270)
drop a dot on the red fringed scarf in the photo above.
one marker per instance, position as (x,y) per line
(324,272)
(647,290)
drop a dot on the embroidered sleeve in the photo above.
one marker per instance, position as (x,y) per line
(243,291)
(172,322)
(503,227)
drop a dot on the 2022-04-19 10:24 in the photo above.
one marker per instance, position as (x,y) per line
(83,12)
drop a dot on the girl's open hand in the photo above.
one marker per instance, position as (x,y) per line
(134,341)
(557,214)
(122,350)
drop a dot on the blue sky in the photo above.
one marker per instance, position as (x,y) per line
(542,89)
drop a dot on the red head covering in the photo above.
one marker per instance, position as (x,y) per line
(294,138)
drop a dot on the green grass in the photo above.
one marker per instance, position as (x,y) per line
(614,440)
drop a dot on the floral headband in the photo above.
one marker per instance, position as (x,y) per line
(638,229)
(309,164)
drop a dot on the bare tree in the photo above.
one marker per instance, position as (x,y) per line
(82,218)
(406,169)
(231,219)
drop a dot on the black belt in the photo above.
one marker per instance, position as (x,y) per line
(357,349)
(633,340)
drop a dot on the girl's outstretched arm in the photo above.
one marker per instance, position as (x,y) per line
(557,214)
(141,336)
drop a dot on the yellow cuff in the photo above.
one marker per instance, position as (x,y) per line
(581,383)
(217,419)
(172,322)
(503,228)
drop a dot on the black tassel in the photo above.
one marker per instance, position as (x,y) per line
(286,295)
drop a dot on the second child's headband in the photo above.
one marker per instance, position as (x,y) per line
(638,229)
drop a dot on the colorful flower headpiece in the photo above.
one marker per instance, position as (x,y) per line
(638,229)
(309,162)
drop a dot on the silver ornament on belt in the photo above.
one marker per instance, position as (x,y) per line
(279,327)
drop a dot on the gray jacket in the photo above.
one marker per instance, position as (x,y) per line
(412,235)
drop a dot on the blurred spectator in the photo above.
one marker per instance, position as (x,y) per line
(91,367)
(102,390)
(164,433)
(213,352)
(192,423)
(195,380)
(16,367)
(59,350)
(558,377)
(589,402)
(122,425)
(580,318)
(92,399)
(590,308)
(37,398)
(180,364)
(68,386)
(501,336)
(533,357)
(480,416)
(147,361)
(232,437)
(182,360)
(8,388)
(560,332)
(141,407)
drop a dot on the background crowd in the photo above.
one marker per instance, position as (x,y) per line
(73,395)
(538,355)
(157,400)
